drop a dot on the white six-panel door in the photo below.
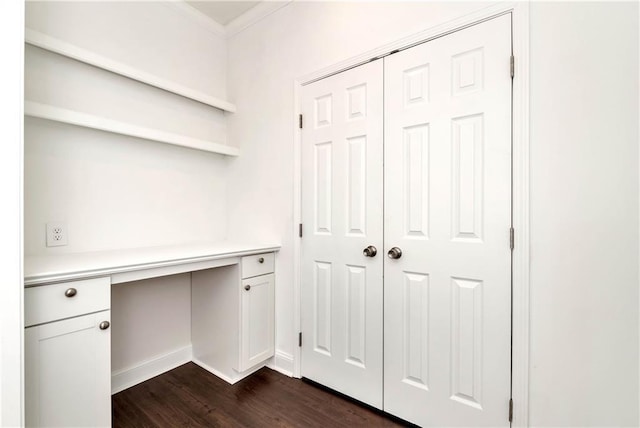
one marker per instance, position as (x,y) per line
(341,288)
(448,208)
(445,309)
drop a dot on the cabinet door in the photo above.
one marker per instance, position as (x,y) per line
(257,321)
(68,372)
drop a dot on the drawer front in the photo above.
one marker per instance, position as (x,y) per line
(69,299)
(258,264)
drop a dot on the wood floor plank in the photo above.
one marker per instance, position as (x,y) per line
(189,396)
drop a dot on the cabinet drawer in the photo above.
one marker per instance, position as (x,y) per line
(50,302)
(258,264)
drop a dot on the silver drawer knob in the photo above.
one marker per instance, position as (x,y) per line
(261,260)
(70,292)
(247,287)
(104,325)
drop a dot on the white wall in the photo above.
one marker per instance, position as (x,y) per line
(113,191)
(584,167)
(11,22)
(584,214)
(133,337)
(118,192)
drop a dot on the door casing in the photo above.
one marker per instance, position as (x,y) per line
(520,183)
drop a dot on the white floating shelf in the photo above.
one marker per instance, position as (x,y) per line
(86,120)
(52,44)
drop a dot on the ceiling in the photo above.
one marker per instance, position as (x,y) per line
(222,12)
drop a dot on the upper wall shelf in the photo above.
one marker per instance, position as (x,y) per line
(44,111)
(52,44)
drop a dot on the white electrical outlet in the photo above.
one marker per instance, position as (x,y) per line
(56,234)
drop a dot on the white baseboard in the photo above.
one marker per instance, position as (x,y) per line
(221,375)
(129,377)
(282,362)
(224,377)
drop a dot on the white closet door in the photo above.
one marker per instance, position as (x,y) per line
(448,208)
(341,288)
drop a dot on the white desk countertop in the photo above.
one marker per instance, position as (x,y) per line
(40,270)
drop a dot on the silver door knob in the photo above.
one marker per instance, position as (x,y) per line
(104,325)
(370,251)
(247,287)
(70,292)
(395,253)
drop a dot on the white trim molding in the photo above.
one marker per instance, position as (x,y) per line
(254,15)
(240,23)
(230,380)
(123,379)
(411,40)
(282,362)
(297,221)
(520,265)
(520,219)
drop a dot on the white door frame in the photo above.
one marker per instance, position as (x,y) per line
(520,200)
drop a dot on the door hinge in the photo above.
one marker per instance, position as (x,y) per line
(300,339)
(512,238)
(300,230)
(300,121)
(512,66)
(510,409)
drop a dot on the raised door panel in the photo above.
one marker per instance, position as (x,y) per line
(415,181)
(466,341)
(68,373)
(257,340)
(415,330)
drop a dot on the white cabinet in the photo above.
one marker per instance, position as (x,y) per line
(68,359)
(257,321)
(68,336)
(232,317)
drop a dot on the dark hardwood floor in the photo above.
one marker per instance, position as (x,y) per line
(191,396)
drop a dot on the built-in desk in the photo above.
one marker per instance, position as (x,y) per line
(67,319)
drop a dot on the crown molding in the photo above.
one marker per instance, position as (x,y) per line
(242,22)
(253,15)
(198,17)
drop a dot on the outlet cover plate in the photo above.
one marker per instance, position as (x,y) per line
(56,234)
